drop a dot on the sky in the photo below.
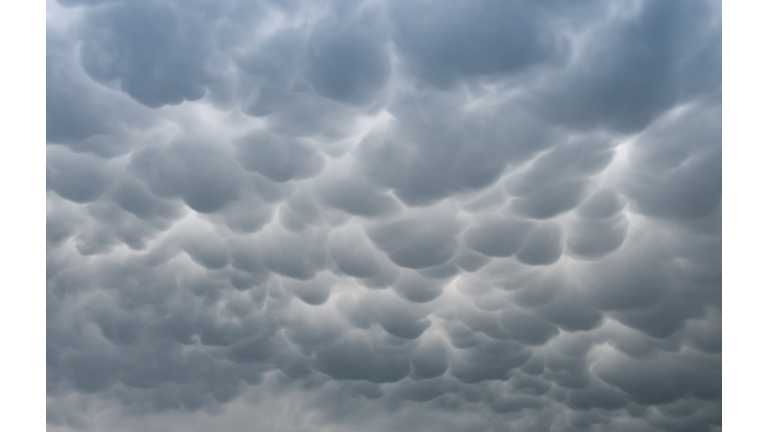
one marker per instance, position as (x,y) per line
(383,215)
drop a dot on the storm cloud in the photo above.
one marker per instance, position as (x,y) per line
(383,215)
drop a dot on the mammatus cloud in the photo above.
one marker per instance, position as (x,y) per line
(384,215)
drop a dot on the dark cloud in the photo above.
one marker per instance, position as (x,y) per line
(432,148)
(62,122)
(269,72)
(358,199)
(498,238)
(206,249)
(277,159)
(357,359)
(190,171)
(638,68)
(543,246)
(489,360)
(679,161)
(526,328)
(134,196)
(353,255)
(417,243)
(595,239)
(79,178)
(672,379)
(416,216)
(430,359)
(347,58)
(558,180)
(82,114)
(416,288)
(447,42)
(164,63)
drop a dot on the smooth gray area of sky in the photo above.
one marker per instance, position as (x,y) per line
(410,215)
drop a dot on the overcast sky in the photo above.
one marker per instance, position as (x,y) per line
(384,215)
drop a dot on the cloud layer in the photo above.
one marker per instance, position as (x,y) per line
(384,215)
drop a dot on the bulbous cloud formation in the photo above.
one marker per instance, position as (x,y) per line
(409,215)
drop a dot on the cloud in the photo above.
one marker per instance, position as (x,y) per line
(639,70)
(161,64)
(417,243)
(382,216)
(348,58)
(498,238)
(443,44)
(277,159)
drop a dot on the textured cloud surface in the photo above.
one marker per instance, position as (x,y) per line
(383,215)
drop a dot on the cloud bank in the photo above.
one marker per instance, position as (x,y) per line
(383,215)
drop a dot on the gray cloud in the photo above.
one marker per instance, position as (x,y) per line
(498,238)
(347,57)
(417,242)
(387,215)
(277,159)
(443,43)
(164,63)
(664,54)
(189,171)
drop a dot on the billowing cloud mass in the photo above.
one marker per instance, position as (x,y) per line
(384,215)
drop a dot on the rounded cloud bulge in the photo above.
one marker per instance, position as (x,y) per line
(383,215)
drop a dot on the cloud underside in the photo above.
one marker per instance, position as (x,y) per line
(385,215)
